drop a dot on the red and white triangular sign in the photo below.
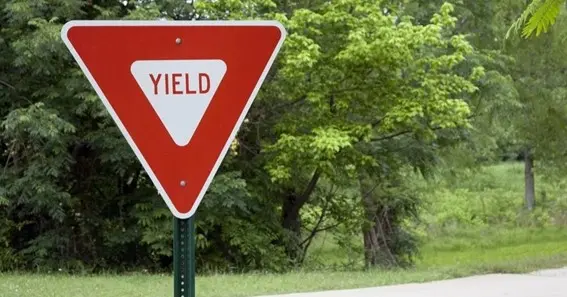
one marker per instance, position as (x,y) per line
(178,91)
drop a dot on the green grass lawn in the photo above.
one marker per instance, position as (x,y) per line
(494,247)
(446,254)
(237,285)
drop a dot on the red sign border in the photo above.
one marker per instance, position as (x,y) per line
(139,155)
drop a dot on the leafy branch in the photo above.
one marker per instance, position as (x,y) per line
(539,16)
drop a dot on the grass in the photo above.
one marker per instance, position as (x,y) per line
(456,252)
(14,285)
(505,246)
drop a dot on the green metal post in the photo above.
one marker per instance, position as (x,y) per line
(184,257)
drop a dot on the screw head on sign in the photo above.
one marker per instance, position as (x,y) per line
(183,183)
(178,40)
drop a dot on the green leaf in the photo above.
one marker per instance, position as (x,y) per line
(543,17)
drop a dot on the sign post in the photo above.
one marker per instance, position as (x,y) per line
(184,257)
(178,91)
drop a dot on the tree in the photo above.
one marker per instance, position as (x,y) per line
(539,127)
(350,89)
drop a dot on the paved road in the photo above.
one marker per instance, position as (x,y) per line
(545,283)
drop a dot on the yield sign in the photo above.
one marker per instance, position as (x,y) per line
(177,90)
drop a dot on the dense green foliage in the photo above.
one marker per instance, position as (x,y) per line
(367,100)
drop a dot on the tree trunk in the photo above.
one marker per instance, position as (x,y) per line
(376,251)
(376,230)
(291,219)
(291,223)
(529,194)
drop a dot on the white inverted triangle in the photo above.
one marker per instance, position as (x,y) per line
(180,113)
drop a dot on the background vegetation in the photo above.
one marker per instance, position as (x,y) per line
(389,134)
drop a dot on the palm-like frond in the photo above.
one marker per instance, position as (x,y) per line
(519,23)
(543,17)
(538,17)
